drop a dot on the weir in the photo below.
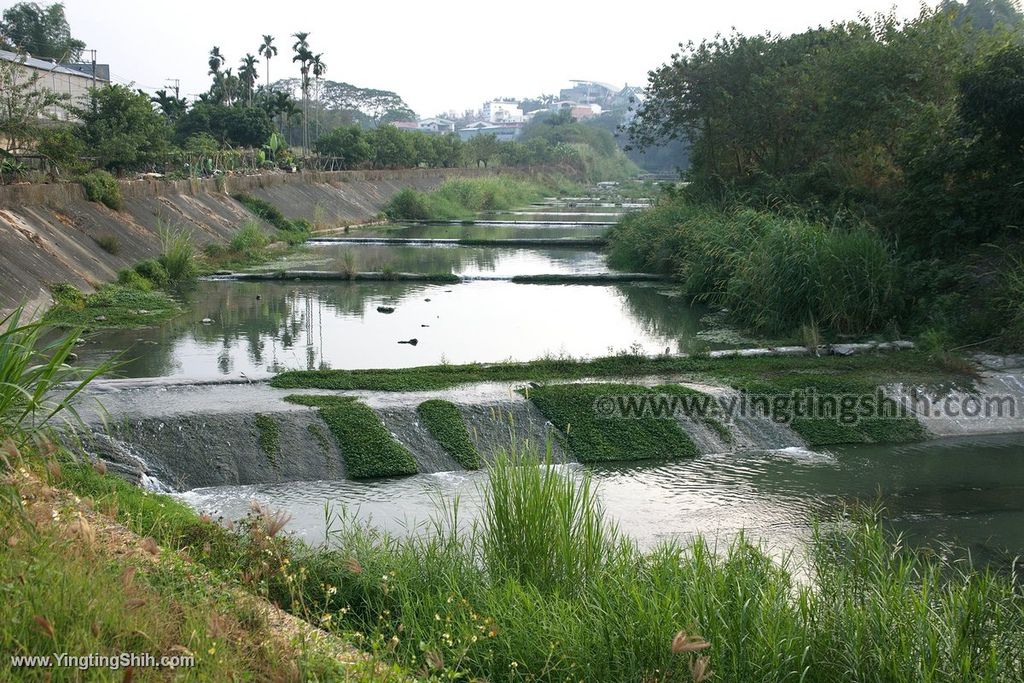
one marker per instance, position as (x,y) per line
(191,436)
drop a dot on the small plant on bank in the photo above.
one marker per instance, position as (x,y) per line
(444,422)
(66,295)
(109,243)
(102,187)
(249,243)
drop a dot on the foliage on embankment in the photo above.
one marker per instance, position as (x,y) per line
(772,272)
(463,198)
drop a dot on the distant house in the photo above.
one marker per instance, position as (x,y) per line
(504,132)
(436,125)
(502,111)
(589,92)
(405,125)
(72,80)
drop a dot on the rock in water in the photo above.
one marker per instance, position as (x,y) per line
(385,309)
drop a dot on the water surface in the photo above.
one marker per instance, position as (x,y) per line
(257,328)
(964,493)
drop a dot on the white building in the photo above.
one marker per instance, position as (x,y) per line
(502,111)
(74,81)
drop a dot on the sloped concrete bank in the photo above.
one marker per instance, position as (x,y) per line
(49,233)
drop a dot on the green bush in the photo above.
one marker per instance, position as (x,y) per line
(131,279)
(271,214)
(366,445)
(66,295)
(102,187)
(462,198)
(772,272)
(154,271)
(444,422)
(109,243)
(249,241)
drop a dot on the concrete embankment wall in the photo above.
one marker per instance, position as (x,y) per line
(49,233)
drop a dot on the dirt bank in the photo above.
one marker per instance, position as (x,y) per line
(49,233)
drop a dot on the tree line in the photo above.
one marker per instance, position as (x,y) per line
(912,128)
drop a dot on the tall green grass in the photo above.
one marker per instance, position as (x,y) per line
(543,587)
(178,256)
(461,198)
(774,273)
(37,381)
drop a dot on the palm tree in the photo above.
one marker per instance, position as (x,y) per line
(319,68)
(268,50)
(216,60)
(247,75)
(303,56)
(171,105)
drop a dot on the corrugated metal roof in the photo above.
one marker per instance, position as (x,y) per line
(41,64)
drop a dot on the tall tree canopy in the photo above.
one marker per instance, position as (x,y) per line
(40,31)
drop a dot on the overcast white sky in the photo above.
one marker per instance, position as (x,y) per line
(451,54)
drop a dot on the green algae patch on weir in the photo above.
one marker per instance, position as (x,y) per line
(269,437)
(872,369)
(368,448)
(591,434)
(444,422)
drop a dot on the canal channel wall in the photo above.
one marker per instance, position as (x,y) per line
(51,233)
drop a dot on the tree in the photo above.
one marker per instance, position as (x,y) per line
(481,149)
(40,31)
(348,143)
(121,129)
(247,75)
(392,148)
(216,61)
(304,57)
(447,150)
(268,50)
(319,68)
(24,105)
(172,106)
(237,126)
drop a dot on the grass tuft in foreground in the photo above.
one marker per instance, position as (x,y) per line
(444,422)
(366,445)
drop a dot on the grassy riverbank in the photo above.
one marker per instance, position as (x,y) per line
(463,198)
(542,587)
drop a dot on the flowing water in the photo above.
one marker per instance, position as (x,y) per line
(965,493)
